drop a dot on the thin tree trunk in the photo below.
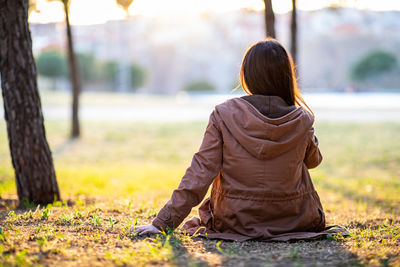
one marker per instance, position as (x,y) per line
(293,32)
(74,75)
(30,153)
(269,19)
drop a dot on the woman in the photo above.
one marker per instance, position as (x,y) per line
(256,153)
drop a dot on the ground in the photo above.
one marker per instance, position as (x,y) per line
(121,173)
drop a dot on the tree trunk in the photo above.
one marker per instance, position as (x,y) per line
(30,153)
(74,75)
(269,19)
(293,32)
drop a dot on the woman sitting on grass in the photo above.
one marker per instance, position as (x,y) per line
(256,153)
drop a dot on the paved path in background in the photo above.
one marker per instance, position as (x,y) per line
(352,107)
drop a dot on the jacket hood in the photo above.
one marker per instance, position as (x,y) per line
(265,126)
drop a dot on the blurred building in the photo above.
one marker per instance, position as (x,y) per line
(177,50)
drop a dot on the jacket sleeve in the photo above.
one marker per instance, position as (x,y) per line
(205,166)
(313,156)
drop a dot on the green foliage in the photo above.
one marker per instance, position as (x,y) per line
(65,219)
(138,76)
(96,221)
(89,71)
(45,214)
(111,220)
(52,64)
(109,72)
(374,64)
(11,216)
(294,253)
(41,242)
(198,86)
(28,204)
(2,236)
(229,251)
(21,259)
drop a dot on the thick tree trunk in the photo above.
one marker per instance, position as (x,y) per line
(269,19)
(74,75)
(293,32)
(30,153)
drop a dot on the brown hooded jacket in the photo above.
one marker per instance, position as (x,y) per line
(256,153)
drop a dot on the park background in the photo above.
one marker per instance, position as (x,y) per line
(150,76)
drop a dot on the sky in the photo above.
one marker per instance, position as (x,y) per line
(99,11)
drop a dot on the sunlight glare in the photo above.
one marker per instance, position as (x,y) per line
(100,11)
(173,7)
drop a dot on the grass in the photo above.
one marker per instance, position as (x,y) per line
(120,174)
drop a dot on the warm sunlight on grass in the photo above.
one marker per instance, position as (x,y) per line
(121,173)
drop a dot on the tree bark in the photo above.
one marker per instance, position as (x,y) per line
(269,19)
(293,32)
(74,75)
(30,152)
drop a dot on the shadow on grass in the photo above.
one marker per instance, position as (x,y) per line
(300,253)
(181,256)
(14,204)
(201,251)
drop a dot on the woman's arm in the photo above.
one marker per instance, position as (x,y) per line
(205,166)
(313,156)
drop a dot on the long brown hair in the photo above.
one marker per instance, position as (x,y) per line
(268,69)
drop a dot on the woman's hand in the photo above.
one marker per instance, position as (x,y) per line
(145,229)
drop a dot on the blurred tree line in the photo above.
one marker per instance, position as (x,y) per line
(199,85)
(377,68)
(53,64)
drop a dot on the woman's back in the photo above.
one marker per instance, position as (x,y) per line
(263,188)
(265,154)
